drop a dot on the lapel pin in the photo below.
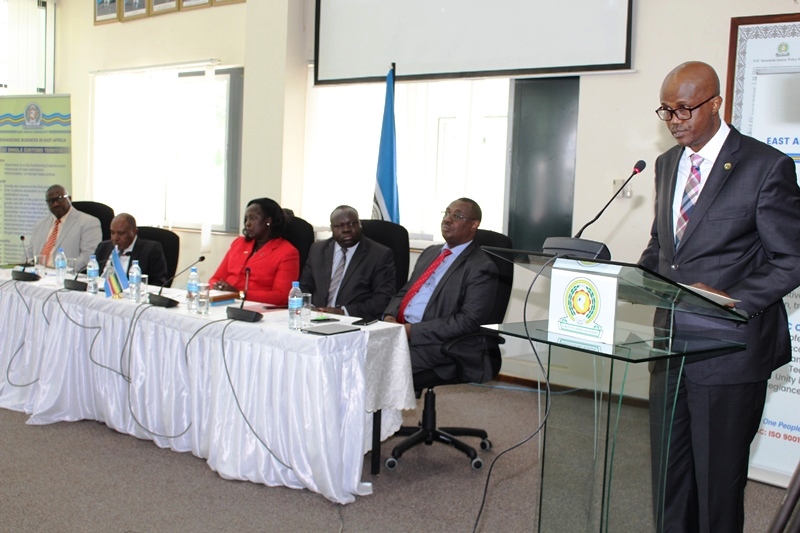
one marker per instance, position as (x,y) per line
(727,166)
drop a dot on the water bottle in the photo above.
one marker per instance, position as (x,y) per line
(295,306)
(93,272)
(135,282)
(192,290)
(61,266)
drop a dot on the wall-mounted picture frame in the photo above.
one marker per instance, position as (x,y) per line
(105,11)
(132,9)
(225,2)
(158,7)
(761,49)
(192,4)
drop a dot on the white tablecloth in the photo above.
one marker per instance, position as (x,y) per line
(258,401)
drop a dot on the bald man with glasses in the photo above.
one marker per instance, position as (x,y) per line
(64,227)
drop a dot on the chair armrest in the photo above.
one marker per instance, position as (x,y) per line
(448,347)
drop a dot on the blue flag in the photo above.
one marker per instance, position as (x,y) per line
(116,279)
(385,205)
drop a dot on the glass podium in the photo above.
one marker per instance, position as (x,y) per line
(599,471)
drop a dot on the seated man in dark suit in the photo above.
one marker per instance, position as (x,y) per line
(149,253)
(349,274)
(450,294)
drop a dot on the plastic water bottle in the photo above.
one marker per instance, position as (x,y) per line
(192,290)
(92,272)
(61,266)
(295,306)
(135,282)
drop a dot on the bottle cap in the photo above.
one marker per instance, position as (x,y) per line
(295,284)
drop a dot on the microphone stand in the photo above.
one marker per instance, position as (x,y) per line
(240,313)
(21,275)
(163,301)
(584,248)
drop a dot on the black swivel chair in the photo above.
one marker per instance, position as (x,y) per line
(103,213)
(300,233)
(395,237)
(427,431)
(170,242)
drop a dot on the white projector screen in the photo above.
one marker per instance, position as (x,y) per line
(358,40)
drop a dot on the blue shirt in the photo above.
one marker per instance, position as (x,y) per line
(416,307)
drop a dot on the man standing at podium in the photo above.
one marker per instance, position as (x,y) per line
(727,213)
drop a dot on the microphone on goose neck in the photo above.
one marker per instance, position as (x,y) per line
(583,248)
(240,313)
(21,275)
(163,301)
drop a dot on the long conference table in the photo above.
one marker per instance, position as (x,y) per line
(258,401)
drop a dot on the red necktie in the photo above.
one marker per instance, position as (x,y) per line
(419,283)
(51,241)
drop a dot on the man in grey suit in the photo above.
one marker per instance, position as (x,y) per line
(349,274)
(726,222)
(76,232)
(450,294)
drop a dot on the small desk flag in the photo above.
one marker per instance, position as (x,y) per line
(116,279)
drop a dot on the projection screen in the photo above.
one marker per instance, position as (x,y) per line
(358,40)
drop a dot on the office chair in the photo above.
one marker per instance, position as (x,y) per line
(395,237)
(787,518)
(300,233)
(427,431)
(101,211)
(170,242)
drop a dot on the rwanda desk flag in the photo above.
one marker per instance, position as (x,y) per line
(385,205)
(116,279)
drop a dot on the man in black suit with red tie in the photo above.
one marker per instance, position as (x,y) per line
(150,254)
(727,215)
(451,293)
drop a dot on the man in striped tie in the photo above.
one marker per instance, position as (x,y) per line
(64,227)
(349,274)
(450,294)
(727,213)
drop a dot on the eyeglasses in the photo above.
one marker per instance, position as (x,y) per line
(458,216)
(51,201)
(349,224)
(683,113)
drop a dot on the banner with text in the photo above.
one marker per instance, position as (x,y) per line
(767,82)
(35,152)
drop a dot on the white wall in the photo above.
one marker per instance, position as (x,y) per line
(616,125)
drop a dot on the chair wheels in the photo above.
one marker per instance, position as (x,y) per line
(486,444)
(477,463)
(391,463)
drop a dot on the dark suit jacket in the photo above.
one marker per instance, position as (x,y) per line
(742,238)
(149,254)
(460,303)
(368,282)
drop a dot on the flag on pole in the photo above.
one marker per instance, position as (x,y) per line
(116,279)
(385,205)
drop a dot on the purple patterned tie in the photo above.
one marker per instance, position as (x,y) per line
(690,195)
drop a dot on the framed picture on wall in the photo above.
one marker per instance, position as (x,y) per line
(131,9)
(157,7)
(223,2)
(191,4)
(105,11)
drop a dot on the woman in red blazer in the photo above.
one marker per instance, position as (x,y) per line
(273,262)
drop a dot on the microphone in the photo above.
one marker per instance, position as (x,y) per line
(21,275)
(163,301)
(74,284)
(240,313)
(583,248)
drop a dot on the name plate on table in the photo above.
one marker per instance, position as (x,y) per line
(583,300)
